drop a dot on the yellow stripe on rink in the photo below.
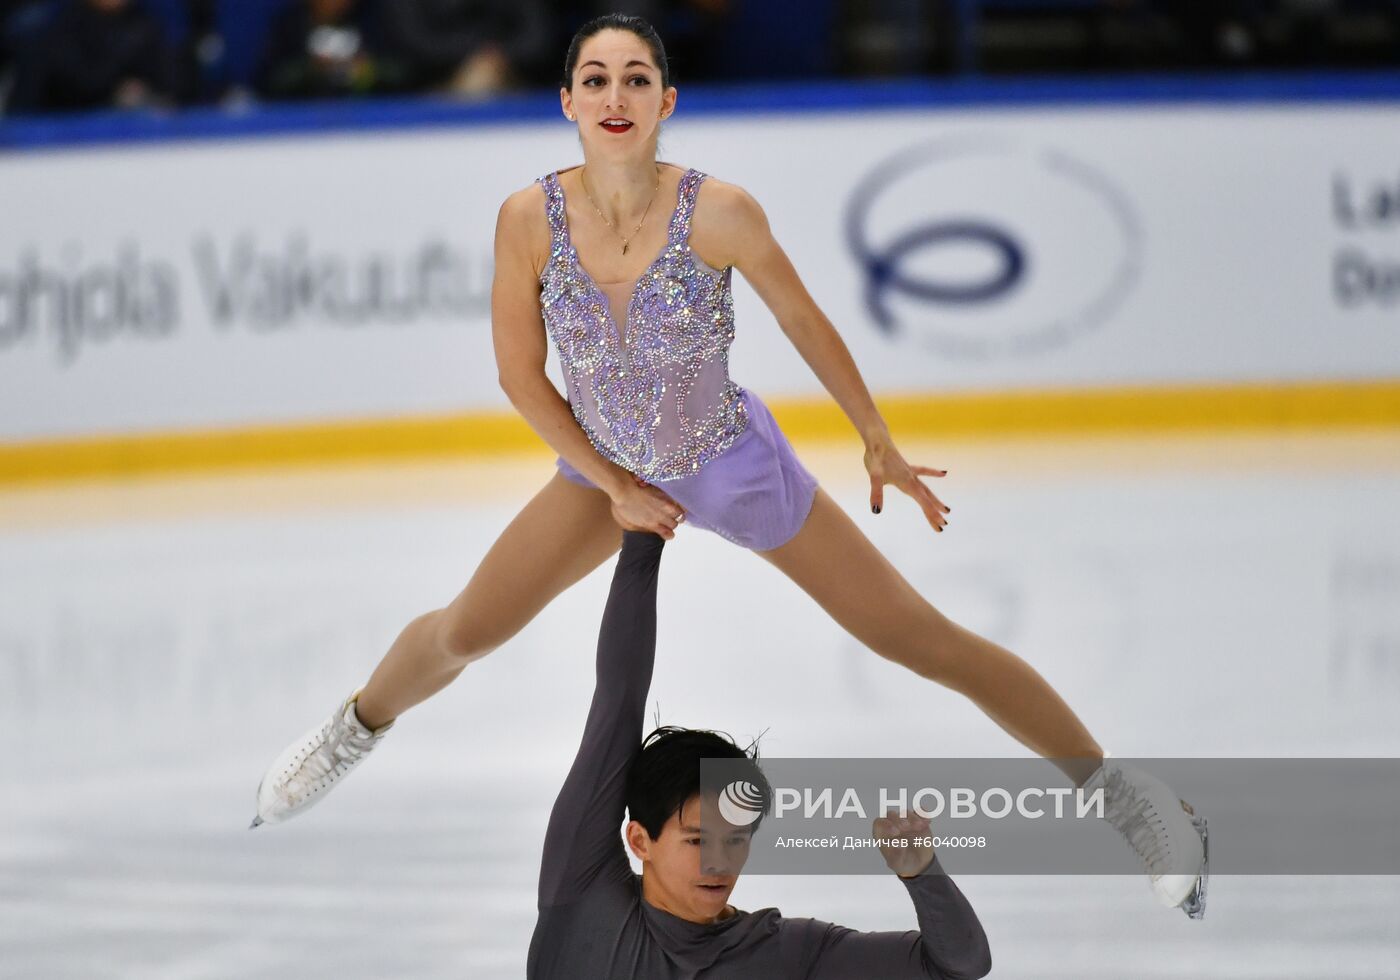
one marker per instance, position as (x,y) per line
(1115,410)
(1064,412)
(283,445)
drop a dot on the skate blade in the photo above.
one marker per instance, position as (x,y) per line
(1195,904)
(257,817)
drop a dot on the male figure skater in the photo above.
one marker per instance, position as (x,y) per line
(599,921)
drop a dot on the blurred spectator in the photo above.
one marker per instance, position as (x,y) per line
(1307,30)
(1220,33)
(696,32)
(7,9)
(204,72)
(467,47)
(81,54)
(323,49)
(895,37)
(94,54)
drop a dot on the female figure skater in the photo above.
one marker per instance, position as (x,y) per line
(625,262)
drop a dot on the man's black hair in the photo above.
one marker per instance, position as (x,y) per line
(667,773)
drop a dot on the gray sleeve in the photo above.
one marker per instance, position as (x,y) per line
(583,847)
(950,943)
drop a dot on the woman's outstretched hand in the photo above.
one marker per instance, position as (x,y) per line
(886,466)
(641,507)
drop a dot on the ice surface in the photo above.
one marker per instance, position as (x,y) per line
(160,641)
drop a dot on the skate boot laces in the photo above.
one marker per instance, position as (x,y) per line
(1167,836)
(1132,812)
(338,747)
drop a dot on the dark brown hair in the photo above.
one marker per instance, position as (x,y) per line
(617,22)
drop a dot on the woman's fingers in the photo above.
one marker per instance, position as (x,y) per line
(664,524)
(932,507)
(673,511)
(925,493)
(669,514)
(661,496)
(651,511)
(928,503)
(933,516)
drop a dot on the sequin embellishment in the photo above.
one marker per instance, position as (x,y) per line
(656,399)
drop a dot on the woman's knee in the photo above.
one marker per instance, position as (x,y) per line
(460,639)
(917,637)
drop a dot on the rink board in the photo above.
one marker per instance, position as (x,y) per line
(970,255)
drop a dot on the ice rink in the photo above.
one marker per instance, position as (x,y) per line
(162,639)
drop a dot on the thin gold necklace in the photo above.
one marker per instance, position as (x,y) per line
(583,179)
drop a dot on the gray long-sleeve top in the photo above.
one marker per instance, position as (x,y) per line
(595,925)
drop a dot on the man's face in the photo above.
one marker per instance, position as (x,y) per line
(692,867)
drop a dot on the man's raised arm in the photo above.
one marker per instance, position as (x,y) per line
(583,845)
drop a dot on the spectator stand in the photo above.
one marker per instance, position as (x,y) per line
(57,133)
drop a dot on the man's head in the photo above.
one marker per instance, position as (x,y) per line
(691,856)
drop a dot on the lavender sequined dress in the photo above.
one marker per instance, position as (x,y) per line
(647,370)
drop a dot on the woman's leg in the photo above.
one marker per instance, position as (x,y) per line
(838,566)
(564,533)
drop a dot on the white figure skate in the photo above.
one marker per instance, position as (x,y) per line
(1165,833)
(308,769)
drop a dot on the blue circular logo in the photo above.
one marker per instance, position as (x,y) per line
(981,247)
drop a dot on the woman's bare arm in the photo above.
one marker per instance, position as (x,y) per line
(731,229)
(518,333)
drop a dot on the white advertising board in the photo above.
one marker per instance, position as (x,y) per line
(253,282)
